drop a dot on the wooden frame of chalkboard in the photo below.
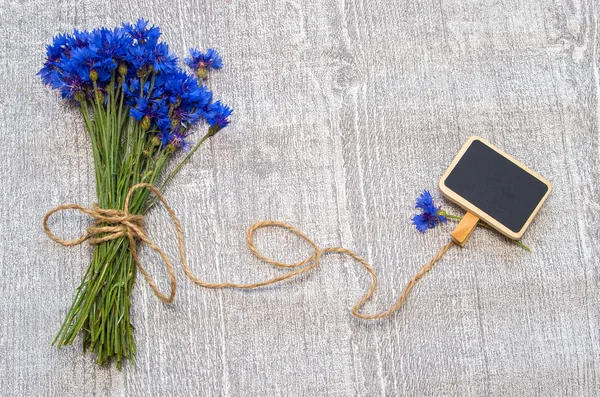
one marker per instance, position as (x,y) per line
(522,173)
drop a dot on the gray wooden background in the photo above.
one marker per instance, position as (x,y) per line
(344,111)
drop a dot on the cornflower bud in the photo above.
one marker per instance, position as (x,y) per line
(147,175)
(145,123)
(100,97)
(142,72)
(93,75)
(122,69)
(80,96)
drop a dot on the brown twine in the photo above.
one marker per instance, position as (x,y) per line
(112,224)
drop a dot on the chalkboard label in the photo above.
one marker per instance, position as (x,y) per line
(495,187)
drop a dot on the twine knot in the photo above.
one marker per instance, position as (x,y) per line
(111,224)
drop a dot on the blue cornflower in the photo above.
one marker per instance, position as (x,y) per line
(140,55)
(181,87)
(142,108)
(63,73)
(111,44)
(142,33)
(85,59)
(162,60)
(60,43)
(187,115)
(430,217)
(165,137)
(151,109)
(54,52)
(179,142)
(80,39)
(172,137)
(210,60)
(131,89)
(201,62)
(69,85)
(165,124)
(195,94)
(425,201)
(172,85)
(47,71)
(217,115)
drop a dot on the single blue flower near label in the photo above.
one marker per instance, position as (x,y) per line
(430,217)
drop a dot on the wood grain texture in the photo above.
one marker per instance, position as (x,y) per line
(344,111)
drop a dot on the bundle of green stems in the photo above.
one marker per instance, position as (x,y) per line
(125,154)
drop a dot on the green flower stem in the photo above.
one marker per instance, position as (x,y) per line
(178,167)
(96,153)
(185,160)
(520,243)
(482,224)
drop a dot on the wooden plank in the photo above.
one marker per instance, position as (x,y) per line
(345,111)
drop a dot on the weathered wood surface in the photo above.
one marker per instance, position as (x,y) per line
(344,112)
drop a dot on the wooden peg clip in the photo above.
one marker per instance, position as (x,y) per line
(464,229)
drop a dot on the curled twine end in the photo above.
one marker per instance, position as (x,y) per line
(111,224)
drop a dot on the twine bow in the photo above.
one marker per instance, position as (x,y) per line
(112,224)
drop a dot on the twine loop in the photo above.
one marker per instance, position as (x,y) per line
(111,224)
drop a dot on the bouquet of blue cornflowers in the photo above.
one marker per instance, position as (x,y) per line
(139,108)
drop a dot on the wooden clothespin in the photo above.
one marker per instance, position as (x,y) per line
(464,229)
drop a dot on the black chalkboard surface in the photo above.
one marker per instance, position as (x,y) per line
(495,187)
